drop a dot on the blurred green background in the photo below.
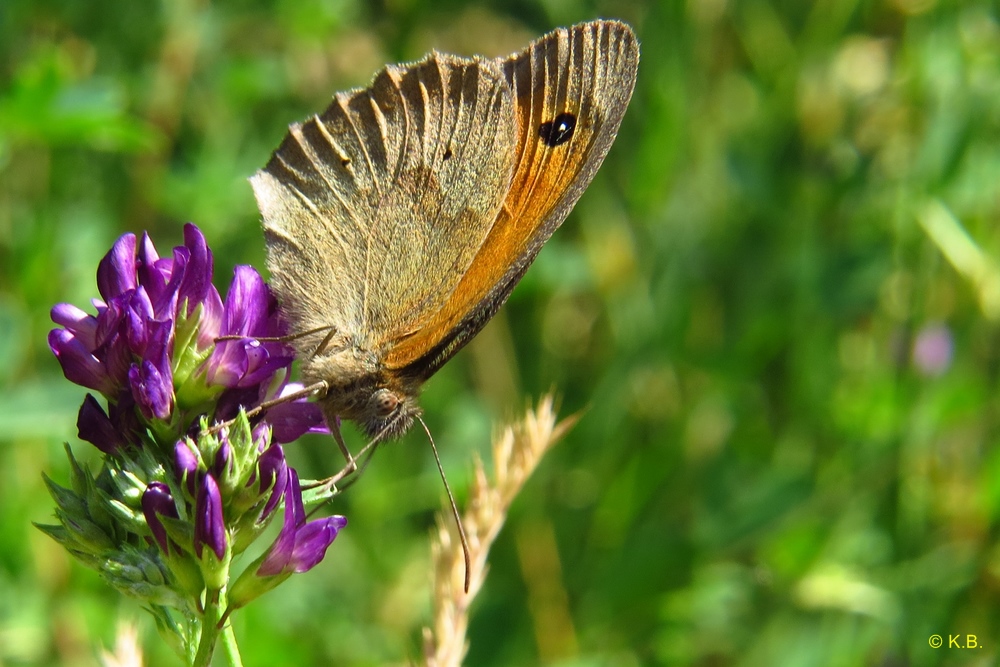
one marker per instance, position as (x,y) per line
(778,305)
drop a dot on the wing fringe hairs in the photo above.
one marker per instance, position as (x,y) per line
(517,450)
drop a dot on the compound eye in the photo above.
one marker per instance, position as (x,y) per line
(385,401)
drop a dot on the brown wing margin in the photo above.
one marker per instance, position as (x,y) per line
(587,71)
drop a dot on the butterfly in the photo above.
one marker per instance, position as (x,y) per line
(399,220)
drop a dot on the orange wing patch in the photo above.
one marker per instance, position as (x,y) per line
(571,90)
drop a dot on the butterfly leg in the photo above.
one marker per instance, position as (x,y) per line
(282,339)
(351,472)
(325,343)
(351,463)
(317,387)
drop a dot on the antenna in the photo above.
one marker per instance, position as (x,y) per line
(454,507)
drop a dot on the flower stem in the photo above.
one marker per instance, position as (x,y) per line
(209,630)
(230,646)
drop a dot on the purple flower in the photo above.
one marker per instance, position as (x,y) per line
(153,272)
(209,524)
(250,311)
(933,350)
(261,436)
(294,419)
(272,473)
(135,321)
(78,362)
(223,459)
(94,426)
(81,326)
(186,465)
(110,432)
(300,545)
(127,350)
(153,392)
(157,502)
(151,347)
(195,280)
(116,274)
(247,366)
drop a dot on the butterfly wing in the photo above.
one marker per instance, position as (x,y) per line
(571,88)
(374,210)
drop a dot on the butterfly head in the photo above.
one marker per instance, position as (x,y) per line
(388,413)
(382,412)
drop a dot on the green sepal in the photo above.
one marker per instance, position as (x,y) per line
(214,570)
(250,586)
(187,574)
(60,534)
(191,388)
(66,499)
(249,526)
(243,457)
(88,535)
(128,486)
(127,519)
(180,531)
(80,477)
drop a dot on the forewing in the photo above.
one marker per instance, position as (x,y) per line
(374,210)
(571,87)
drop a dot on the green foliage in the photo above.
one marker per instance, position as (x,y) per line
(774,468)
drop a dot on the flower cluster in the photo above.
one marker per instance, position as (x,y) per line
(151,349)
(176,500)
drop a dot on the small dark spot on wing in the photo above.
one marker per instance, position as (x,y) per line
(557,131)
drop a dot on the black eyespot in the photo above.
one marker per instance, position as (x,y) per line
(345,161)
(557,131)
(447,153)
